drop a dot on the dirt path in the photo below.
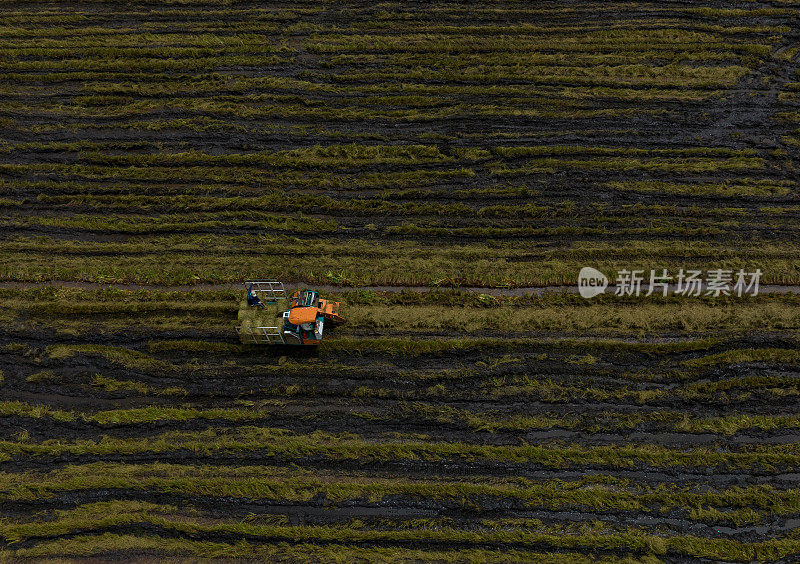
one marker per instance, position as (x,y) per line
(523,291)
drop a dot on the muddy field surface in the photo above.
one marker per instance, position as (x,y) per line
(134,418)
(444,171)
(175,144)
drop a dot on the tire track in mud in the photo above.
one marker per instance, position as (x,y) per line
(706,478)
(435,546)
(381,421)
(372,383)
(322,512)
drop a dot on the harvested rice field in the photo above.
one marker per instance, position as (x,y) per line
(444,171)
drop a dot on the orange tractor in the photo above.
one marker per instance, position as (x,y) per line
(267,317)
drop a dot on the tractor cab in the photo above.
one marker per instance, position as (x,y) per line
(306,323)
(305,298)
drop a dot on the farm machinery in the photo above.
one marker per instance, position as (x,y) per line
(268,317)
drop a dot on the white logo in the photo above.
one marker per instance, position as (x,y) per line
(591,282)
(717,282)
